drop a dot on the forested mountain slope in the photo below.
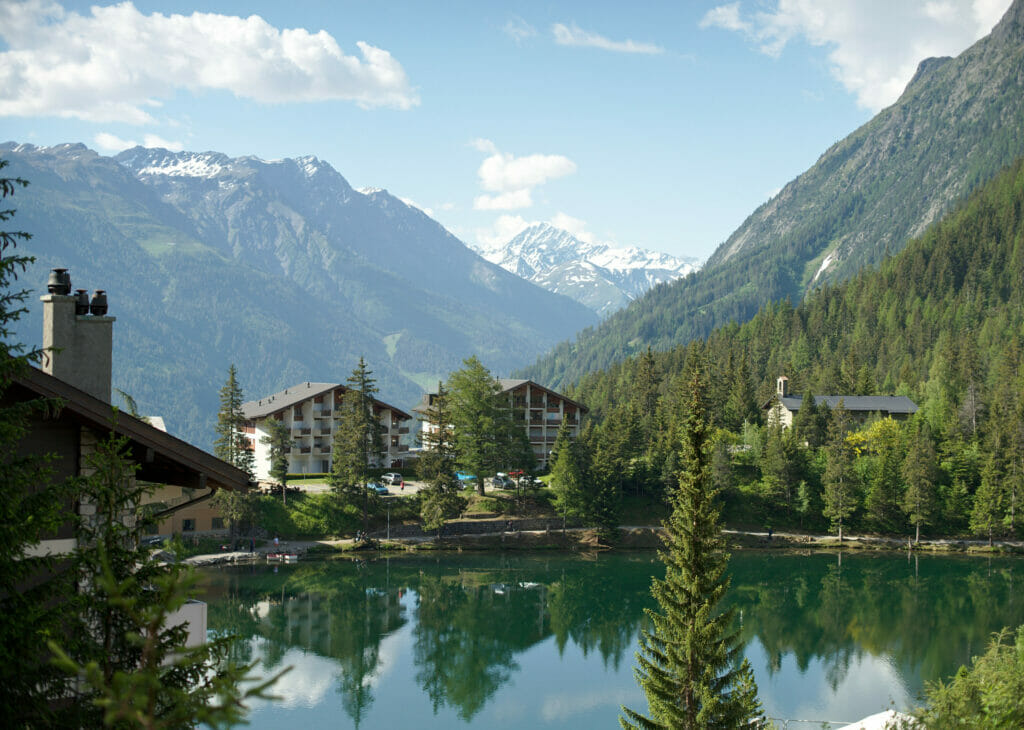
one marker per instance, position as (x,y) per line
(959,121)
(279,267)
(941,322)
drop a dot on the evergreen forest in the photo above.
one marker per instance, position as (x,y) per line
(942,323)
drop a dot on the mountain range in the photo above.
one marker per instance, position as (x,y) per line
(281,268)
(959,121)
(601,277)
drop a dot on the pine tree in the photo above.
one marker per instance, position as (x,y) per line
(32,507)
(279,440)
(987,513)
(232,446)
(477,419)
(567,477)
(356,445)
(920,474)
(688,661)
(840,495)
(135,669)
(441,500)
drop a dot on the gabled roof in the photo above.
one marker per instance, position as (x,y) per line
(900,404)
(285,399)
(264,407)
(509,384)
(161,457)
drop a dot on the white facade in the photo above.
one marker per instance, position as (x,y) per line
(309,410)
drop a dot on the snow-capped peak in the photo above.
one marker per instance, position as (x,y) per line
(157,161)
(603,277)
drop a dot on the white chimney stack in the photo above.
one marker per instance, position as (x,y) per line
(78,347)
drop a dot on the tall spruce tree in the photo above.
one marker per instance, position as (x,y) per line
(356,445)
(135,669)
(477,416)
(441,500)
(840,478)
(567,477)
(279,441)
(689,663)
(232,446)
(920,472)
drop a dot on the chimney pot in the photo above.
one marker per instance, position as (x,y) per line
(59,282)
(82,304)
(98,305)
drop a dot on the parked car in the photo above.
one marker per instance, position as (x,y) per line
(503,481)
(392,477)
(378,488)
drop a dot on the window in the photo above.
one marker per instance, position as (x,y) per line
(217,523)
(188,525)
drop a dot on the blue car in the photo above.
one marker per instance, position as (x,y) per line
(378,488)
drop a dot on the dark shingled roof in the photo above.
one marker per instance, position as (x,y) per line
(871,403)
(256,409)
(160,457)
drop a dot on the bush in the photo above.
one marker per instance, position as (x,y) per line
(989,694)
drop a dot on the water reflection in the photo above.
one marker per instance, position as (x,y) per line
(460,636)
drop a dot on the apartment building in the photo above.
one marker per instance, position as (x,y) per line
(311,411)
(541,411)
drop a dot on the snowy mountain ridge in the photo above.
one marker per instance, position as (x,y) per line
(602,277)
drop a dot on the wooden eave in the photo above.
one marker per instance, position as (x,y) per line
(161,458)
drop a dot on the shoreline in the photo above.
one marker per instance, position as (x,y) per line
(579,539)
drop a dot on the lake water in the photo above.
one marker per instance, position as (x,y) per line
(533,641)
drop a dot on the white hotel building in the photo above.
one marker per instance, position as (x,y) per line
(309,410)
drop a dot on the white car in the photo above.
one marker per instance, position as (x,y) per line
(392,477)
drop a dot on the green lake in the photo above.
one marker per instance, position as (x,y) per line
(541,640)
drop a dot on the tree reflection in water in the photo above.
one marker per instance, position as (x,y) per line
(473,616)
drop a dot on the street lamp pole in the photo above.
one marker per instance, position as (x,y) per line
(389,522)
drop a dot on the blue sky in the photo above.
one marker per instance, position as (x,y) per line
(661,125)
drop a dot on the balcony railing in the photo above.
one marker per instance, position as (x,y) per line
(304,449)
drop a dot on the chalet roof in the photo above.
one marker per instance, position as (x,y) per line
(508,384)
(871,403)
(160,457)
(268,406)
(286,398)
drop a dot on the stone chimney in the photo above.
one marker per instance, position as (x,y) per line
(78,337)
(782,386)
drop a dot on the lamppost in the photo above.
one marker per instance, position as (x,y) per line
(389,521)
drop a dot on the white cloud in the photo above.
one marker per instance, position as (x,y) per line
(115,63)
(504,229)
(512,178)
(484,145)
(519,30)
(566,35)
(726,17)
(512,200)
(112,143)
(876,45)
(575,226)
(502,172)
